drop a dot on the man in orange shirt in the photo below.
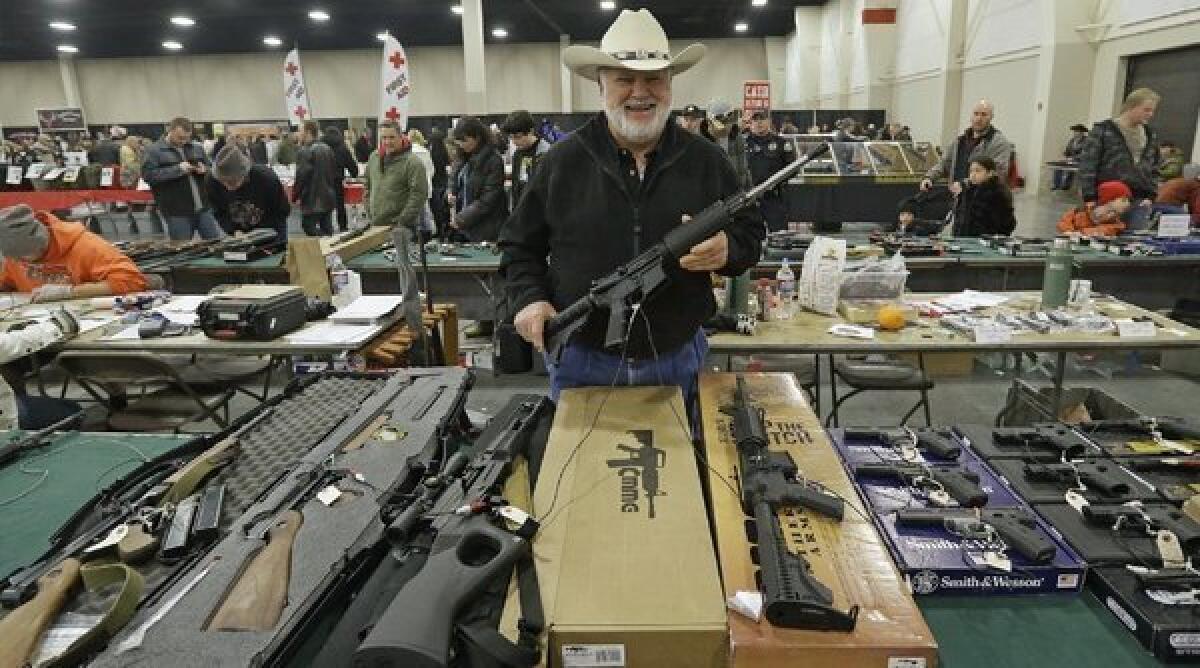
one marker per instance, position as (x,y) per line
(1173,195)
(56,260)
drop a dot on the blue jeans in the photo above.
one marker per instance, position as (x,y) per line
(1063,178)
(182,228)
(40,412)
(586,367)
(1137,218)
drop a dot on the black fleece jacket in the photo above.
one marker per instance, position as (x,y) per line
(579,219)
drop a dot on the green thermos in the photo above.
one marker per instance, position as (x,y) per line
(737,289)
(1056,283)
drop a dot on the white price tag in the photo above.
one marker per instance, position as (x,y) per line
(992,333)
(71,175)
(35,170)
(593,656)
(106,177)
(53,174)
(1175,225)
(14,176)
(1133,329)
(142,185)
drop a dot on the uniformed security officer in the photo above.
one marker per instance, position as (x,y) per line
(767,153)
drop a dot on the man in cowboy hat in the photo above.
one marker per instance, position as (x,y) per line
(611,190)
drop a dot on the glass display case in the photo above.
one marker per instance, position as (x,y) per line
(902,160)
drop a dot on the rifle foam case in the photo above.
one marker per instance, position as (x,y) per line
(1171,632)
(372,448)
(883,494)
(849,557)
(1098,545)
(980,438)
(624,557)
(253,312)
(936,562)
(1012,471)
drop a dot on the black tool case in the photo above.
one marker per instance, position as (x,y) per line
(253,313)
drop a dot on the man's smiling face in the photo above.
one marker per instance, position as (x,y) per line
(637,104)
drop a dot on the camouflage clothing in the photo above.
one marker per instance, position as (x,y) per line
(1106,157)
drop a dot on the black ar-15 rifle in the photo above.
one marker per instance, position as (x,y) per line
(792,597)
(633,282)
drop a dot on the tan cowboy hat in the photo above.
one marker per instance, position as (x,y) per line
(635,41)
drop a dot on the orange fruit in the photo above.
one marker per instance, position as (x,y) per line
(891,317)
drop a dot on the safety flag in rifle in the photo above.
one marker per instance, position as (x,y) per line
(394,84)
(295,92)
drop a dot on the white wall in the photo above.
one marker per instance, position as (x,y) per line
(921,39)
(26,86)
(342,84)
(1008,86)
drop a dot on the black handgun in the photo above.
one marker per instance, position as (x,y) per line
(1018,530)
(961,484)
(1146,518)
(940,444)
(1168,578)
(1172,428)
(1101,477)
(1040,438)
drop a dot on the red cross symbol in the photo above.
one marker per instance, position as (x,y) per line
(301,112)
(291,69)
(392,114)
(397,60)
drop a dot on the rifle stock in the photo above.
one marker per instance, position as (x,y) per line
(182,483)
(257,600)
(21,630)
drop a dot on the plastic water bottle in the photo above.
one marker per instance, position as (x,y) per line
(787,288)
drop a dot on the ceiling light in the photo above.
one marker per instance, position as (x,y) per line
(67,48)
(499,33)
(609,5)
(457,9)
(318,15)
(172,45)
(741,26)
(758,3)
(62,26)
(183,21)
(381,36)
(271,40)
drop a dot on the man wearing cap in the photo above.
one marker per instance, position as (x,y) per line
(246,196)
(767,153)
(695,120)
(1064,177)
(56,260)
(606,193)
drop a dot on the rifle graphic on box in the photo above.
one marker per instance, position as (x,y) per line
(643,462)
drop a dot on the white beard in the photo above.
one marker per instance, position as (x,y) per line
(639,132)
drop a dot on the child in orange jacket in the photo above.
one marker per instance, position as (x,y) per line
(1104,219)
(56,260)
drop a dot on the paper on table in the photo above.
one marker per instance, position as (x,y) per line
(182,318)
(334,333)
(969,300)
(184,303)
(88,324)
(367,309)
(130,332)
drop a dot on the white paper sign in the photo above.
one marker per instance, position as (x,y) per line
(142,185)
(70,175)
(106,177)
(53,174)
(14,176)
(1175,225)
(992,333)
(1133,329)
(35,170)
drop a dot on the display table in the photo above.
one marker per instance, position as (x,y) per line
(42,200)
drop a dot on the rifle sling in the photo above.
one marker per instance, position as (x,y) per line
(96,576)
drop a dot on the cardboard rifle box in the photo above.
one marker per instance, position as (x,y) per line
(349,245)
(624,556)
(848,556)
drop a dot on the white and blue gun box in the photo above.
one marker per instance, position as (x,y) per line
(885,493)
(624,555)
(849,556)
(1171,632)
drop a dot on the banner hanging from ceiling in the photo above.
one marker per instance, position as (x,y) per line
(394,84)
(299,109)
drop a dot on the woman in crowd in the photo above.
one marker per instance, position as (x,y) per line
(985,205)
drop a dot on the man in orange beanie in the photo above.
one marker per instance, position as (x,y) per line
(56,260)
(1104,219)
